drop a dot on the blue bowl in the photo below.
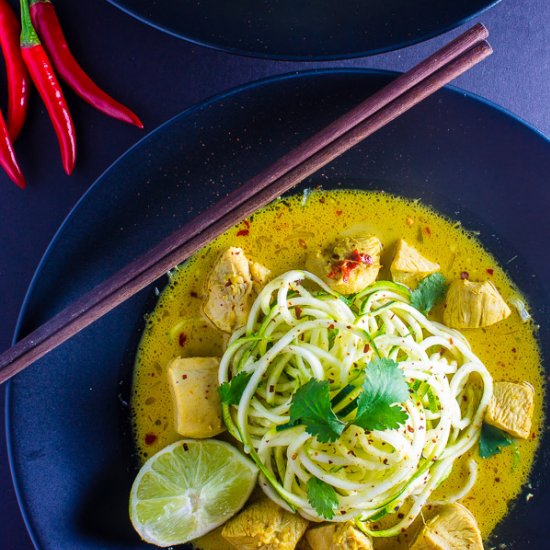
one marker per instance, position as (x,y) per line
(70,443)
(297,30)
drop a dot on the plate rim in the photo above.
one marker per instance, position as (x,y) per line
(291,57)
(8,418)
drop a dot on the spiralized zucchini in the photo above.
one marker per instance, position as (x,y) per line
(300,329)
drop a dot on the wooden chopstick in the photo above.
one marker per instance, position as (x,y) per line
(372,114)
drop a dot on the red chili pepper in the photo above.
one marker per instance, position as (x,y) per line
(17,75)
(7,156)
(46,23)
(49,89)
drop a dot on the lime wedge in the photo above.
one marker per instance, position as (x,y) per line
(189,488)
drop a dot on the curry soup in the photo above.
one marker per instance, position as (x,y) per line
(279,237)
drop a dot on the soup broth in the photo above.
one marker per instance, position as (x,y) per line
(279,237)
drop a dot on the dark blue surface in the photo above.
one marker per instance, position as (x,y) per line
(67,415)
(319,30)
(158,76)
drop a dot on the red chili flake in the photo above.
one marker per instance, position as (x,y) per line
(464,275)
(427,231)
(271,388)
(490,271)
(302,243)
(339,212)
(184,376)
(366,348)
(246,223)
(182,339)
(410,429)
(150,438)
(514,350)
(228,283)
(331,326)
(344,267)
(243,233)
(298,311)
(193,294)
(185,447)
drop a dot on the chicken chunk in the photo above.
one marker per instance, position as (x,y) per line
(409,266)
(265,525)
(350,265)
(259,275)
(474,305)
(194,388)
(338,536)
(230,289)
(452,528)
(511,408)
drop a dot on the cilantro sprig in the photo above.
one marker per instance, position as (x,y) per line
(492,441)
(428,292)
(322,497)
(311,406)
(232,391)
(384,385)
(383,388)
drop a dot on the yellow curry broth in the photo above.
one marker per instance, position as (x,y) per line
(280,237)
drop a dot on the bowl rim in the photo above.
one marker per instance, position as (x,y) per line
(292,57)
(266,81)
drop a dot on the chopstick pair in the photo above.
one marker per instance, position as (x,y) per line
(369,116)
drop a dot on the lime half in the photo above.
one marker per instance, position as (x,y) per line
(189,488)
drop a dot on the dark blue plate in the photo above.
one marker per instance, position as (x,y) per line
(67,415)
(304,30)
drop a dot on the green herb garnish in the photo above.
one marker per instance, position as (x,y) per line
(231,392)
(383,386)
(492,441)
(311,406)
(322,497)
(428,292)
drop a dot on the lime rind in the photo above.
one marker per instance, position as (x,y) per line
(189,488)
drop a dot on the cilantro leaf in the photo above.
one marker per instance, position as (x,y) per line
(492,441)
(231,392)
(311,406)
(322,497)
(384,385)
(428,292)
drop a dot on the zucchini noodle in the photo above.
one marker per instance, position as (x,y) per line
(299,329)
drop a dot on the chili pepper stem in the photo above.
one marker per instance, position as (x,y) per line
(16,72)
(28,34)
